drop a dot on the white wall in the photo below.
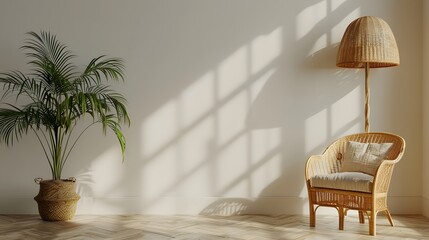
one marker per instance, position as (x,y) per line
(425,168)
(227,98)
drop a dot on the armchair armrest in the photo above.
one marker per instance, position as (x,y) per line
(320,164)
(383,176)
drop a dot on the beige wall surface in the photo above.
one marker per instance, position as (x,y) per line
(425,169)
(227,100)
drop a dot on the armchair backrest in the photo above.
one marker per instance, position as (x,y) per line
(338,148)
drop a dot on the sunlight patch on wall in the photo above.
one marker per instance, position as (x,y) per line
(201,181)
(197,146)
(197,161)
(265,49)
(265,174)
(104,173)
(259,83)
(198,143)
(321,43)
(197,99)
(304,192)
(316,130)
(233,72)
(337,31)
(346,112)
(232,166)
(336,4)
(263,142)
(265,154)
(232,118)
(308,18)
(160,128)
(158,174)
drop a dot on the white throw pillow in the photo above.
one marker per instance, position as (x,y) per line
(364,157)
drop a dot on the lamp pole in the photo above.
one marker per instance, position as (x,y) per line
(367,93)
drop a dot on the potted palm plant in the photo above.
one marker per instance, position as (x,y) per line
(49,102)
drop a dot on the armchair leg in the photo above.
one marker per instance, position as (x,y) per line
(361,217)
(389,217)
(312,215)
(373,223)
(341,214)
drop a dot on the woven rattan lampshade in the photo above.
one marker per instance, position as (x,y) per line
(368,40)
(368,43)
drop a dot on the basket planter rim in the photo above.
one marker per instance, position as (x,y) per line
(57,200)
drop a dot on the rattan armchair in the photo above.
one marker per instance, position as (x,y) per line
(368,202)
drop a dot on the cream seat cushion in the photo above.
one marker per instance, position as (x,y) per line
(351,181)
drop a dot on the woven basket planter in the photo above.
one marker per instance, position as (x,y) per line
(57,199)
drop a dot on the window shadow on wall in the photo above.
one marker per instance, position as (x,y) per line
(228,112)
(227,107)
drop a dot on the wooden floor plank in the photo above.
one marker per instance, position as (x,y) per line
(248,227)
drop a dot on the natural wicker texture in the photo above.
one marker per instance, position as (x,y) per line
(368,40)
(366,203)
(57,200)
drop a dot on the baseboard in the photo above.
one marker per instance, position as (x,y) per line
(205,206)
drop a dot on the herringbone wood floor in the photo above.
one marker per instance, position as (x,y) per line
(207,227)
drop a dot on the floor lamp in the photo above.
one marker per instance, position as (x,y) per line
(368,42)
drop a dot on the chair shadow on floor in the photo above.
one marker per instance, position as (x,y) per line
(228,207)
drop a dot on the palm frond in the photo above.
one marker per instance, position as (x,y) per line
(47,52)
(51,60)
(14,82)
(111,122)
(59,97)
(111,68)
(13,123)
